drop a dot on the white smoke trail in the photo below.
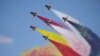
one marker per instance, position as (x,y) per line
(61,15)
(74,30)
(74,42)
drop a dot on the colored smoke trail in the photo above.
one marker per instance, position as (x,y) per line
(42,51)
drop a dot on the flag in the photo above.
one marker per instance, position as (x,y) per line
(90,36)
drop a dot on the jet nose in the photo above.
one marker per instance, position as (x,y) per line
(33,27)
(33,13)
(48,7)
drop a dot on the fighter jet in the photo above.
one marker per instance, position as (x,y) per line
(45,37)
(33,13)
(65,18)
(33,27)
(48,7)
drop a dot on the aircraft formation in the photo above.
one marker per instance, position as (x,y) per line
(73,40)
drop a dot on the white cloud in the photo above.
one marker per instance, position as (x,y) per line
(5,40)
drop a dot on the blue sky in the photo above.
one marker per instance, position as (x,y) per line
(15,19)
